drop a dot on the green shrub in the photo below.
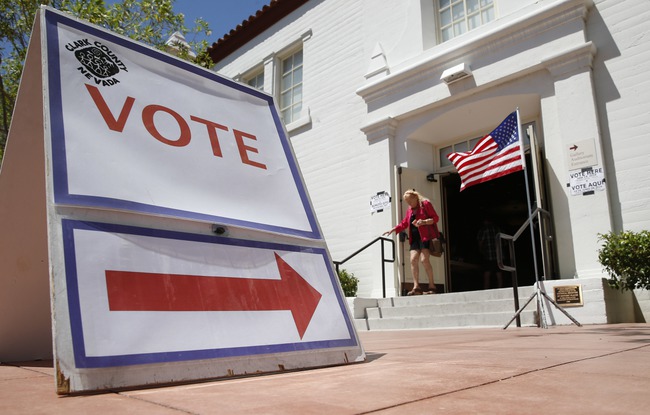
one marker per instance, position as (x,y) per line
(349,283)
(626,258)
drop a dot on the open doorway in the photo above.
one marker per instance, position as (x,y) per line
(504,201)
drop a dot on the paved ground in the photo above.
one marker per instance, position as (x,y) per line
(572,370)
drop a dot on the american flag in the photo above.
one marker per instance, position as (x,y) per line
(495,155)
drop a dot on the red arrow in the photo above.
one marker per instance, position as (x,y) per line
(143,291)
(573,147)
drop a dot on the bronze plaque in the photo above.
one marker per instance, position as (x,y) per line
(568,295)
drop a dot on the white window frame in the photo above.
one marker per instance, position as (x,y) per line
(295,87)
(271,69)
(254,79)
(460,25)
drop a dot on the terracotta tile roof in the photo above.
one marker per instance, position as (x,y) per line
(253,26)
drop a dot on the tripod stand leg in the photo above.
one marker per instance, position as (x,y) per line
(540,308)
(520,310)
(561,309)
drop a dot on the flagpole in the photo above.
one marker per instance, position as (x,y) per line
(538,292)
(530,211)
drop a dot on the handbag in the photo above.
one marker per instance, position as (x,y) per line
(435,245)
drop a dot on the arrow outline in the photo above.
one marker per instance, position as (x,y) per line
(148,291)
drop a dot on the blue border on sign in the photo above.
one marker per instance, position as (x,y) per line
(62,194)
(82,360)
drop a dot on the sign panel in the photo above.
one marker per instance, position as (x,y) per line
(126,119)
(24,291)
(568,295)
(139,295)
(586,180)
(379,202)
(137,143)
(582,154)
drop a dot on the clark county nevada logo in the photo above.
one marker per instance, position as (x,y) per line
(98,62)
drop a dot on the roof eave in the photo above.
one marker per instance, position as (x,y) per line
(252,27)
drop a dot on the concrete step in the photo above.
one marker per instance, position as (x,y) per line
(489,308)
(448,321)
(444,308)
(461,297)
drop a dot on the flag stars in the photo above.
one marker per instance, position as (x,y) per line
(506,133)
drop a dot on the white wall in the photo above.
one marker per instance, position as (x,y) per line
(621,66)
(537,52)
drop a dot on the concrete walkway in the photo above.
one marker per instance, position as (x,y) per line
(602,369)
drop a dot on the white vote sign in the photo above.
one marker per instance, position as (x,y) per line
(379,202)
(119,162)
(136,130)
(586,180)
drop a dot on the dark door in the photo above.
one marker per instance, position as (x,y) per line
(504,201)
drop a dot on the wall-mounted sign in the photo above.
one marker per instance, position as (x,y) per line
(379,202)
(568,295)
(586,181)
(581,154)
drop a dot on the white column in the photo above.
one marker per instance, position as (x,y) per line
(571,116)
(381,137)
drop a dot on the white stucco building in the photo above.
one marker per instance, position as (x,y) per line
(365,90)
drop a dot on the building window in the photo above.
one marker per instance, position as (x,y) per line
(458,147)
(291,87)
(460,16)
(257,81)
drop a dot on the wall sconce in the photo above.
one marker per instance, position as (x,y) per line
(431,177)
(455,73)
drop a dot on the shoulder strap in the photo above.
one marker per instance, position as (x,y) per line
(428,208)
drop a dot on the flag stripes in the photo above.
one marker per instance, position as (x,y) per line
(497,154)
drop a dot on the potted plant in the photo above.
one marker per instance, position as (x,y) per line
(626,258)
(349,283)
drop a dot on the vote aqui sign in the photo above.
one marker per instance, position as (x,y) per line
(144,155)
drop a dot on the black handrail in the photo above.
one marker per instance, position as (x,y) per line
(383,258)
(510,240)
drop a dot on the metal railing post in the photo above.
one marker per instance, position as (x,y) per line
(383,259)
(383,271)
(511,268)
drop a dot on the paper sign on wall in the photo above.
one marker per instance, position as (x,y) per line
(379,202)
(586,180)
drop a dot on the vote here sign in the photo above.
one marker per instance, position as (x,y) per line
(133,129)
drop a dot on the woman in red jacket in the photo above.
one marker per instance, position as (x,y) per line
(419,220)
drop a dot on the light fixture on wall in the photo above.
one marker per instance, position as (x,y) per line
(431,177)
(455,73)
